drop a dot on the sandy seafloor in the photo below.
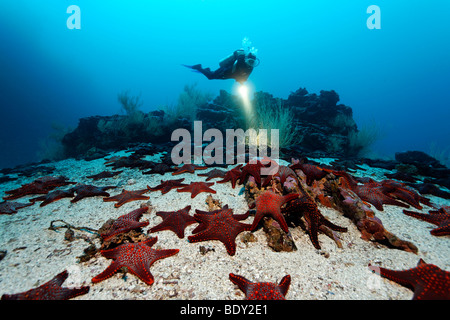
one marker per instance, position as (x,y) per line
(36,254)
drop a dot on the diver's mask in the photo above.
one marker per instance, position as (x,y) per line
(251,60)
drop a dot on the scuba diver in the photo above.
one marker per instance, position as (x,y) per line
(238,65)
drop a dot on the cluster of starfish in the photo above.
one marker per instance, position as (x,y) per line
(383,192)
(275,199)
(271,201)
(39,186)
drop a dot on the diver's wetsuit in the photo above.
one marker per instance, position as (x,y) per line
(235,68)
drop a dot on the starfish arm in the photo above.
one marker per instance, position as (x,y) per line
(197,187)
(284,284)
(55,197)
(256,220)
(134,198)
(403,277)
(240,281)
(331,225)
(228,239)
(142,270)
(50,290)
(200,235)
(276,216)
(59,279)
(313,234)
(435,219)
(116,197)
(137,214)
(443,229)
(175,221)
(241,217)
(165,226)
(290,197)
(108,272)
(203,218)
(282,222)
(422,292)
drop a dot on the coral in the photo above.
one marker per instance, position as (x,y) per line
(273,114)
(188,103)
(360,141)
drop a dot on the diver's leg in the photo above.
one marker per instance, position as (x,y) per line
(218,74)
(207,72)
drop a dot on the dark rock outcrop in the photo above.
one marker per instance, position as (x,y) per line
(427,166)
(99,133)
(323,126)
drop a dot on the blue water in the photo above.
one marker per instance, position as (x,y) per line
(397,76)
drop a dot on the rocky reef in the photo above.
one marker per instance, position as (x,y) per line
(316,122)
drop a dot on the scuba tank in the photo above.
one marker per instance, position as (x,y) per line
(229,59)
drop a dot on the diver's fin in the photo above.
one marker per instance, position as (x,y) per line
(194,67)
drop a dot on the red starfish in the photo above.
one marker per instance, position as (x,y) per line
(104,174)
(372,193)
(39,186)
(262,290)
(440,218)
(197,187)
(283,173)
(50,290)
(428,281)
(86,190)
(160,168)
(253,169)
(12,207)
(137,257)
(54,196)
(26,189)
(168,185)
(233,175)
(53,182)
(176,221)
(311,171)
(127,196)
(125,223)
(269,203)
(213,174)
(401,191)
(188,168)
(203,226)
(218,225)
(315,219)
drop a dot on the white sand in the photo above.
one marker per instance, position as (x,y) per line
(36,254)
